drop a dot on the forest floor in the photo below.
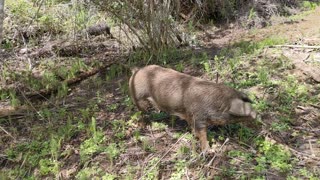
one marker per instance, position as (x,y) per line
(65,111)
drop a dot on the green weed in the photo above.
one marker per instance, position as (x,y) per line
(114,71)
(47,166)
(180,170)
(152,170)
(112,107)
(128,102)
(119,128)
(94,172)
(249,47)
(252,14)
(309,5)
(261,105)
(273,155)
(291,91)
(280,126)
(179,67)
(112,151)
(183,150)
(14,101)
(93,144)
(146,144)
(21,10)
(30,155)
(157,126)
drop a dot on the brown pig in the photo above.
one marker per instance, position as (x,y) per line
(199,102)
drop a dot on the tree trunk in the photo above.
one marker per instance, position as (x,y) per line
(1,18)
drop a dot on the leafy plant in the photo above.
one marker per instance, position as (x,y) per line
(158,126)
(152,169)
(275,155)
(112,151)
(180,168)
(93,144)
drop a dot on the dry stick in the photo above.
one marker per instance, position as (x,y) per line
(163,156)
(303,154)
(82,76)
(187,174)
(311,148)
(7,132)
(297,46)
(315,106)
(215,155)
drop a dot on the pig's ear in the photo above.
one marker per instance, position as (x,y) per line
(241,108)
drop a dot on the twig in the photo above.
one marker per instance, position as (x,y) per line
(215,155)
(7,132)
(162,156)
(311,149)
(297,46)
(188,178)
(3,156)
(315,106)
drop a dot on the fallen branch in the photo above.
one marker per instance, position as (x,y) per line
(7,132)
(297,46)
(315,106)
(68,82)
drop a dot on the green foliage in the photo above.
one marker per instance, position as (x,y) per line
(158,126)
(184,150)
(251,47)
(13,99)
(179,67)
(152,169)
(21,9)
(309,5)
(93,144)
(48,166)
(291,91)
(119,128)
(252,13)
(112,151)
(280,126)
(114,71)
(112,107)
(94,172)
(146,144)
(50,23)
(274,155)
(261,105)
(180,170)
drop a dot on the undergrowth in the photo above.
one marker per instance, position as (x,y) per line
(97,136)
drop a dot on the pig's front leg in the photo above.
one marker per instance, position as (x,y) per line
(202,135)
